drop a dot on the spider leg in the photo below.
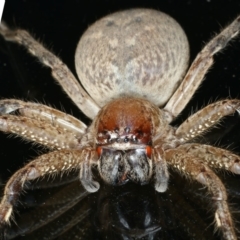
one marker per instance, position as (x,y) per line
(199,67)
(39,131)
(205,118)
(55,182)
(51,163)
(194,167)
(59,70)
(43,113)
(214,157)
(49,209)
(161,171)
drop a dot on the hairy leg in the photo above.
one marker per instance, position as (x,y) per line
(39,131)
(59,70)
(43,113)
(194,167)
(205,118)
(51,163)
(199,67)
(214,157)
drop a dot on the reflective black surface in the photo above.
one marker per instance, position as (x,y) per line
(124,212)
(129,211)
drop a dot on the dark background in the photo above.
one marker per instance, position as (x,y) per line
(59,25)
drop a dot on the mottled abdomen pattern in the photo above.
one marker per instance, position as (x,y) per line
(141,53)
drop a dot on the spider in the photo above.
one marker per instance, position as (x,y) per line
(132,66)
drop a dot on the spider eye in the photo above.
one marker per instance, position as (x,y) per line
(127,129)
(134,139)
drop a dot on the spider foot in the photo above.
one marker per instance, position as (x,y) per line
(8,107)
(161,176)
(235,168)
(161,186)
(5,213)
(90,185)
(86,176)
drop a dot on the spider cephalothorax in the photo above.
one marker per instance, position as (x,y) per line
(132,64)
(125,128)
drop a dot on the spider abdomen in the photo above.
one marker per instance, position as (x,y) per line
(138,52)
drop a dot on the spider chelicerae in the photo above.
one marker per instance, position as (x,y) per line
(130,64)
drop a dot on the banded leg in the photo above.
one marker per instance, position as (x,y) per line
(195,168)
(59,70)
(43,113)
(205,118)
(51,163)
(199,67)
(214,157)
(39,131)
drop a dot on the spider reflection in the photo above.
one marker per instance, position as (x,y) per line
(127,212)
